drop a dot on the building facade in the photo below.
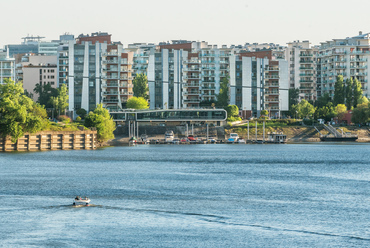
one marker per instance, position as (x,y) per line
(302,68)
(348,57)
(7,66)
(258,82)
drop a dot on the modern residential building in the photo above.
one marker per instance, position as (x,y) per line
(84,74)
(7,66)
(348,57)
(258,82)
(165,73)
(116,74)
(302,68)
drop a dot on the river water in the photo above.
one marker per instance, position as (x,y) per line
(294,195)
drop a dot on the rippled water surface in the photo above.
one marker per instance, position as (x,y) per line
(295,195)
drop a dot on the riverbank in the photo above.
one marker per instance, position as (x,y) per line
(295,134)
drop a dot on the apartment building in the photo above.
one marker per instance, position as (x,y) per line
(116,87)
(84,74)
(38,69)
(165,74)
(258,82)
(348,57)
(302,68)
(7,66)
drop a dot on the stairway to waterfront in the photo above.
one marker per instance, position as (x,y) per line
(332,130)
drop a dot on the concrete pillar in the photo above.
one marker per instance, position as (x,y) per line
(29,142)
(40,142)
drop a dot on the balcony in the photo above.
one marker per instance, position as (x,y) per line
(208,68)
(272,100)
(105,100)
(306,61)
(110,92)
(306,68)
(191,85)
(191,100)
(271,85)
(305,55)
(191,93)
(191,69)
(192,61)
(267,77)
(273,92)
(192,77)
(110,61)
(272,68)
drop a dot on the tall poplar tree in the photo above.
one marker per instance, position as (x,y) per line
(339,91)
(349,93)
(357,92)
(141,86)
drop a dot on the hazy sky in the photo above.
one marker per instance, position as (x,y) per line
(216,21)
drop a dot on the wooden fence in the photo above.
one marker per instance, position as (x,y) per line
(51,141)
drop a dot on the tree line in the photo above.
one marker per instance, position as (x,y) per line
(19,114)
(348,95)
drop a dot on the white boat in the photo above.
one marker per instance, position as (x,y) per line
(169,136)
(81,201)
(241,141)
(233,138)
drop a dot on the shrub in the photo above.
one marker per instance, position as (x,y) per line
(78,118)
(64,118)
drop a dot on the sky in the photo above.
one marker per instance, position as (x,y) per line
(215,21)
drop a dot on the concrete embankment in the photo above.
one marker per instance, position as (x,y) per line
(49,140)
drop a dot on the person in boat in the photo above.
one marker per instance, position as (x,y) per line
(78,198)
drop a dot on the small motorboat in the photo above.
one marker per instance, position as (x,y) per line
(81,201)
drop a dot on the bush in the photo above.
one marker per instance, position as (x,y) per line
(64,118)
(78,118)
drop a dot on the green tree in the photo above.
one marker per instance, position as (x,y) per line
(349,93)
(81,112)
(19,113)
(232,113)
(339,91)
(341,110)
(264,112)
(323,100)
(223,96)
(60,102)
(137,103)
(141,86)
(357,92)
(102,121)
(45,92)
(63,98)
(305,109)
(326,112)
(361,114)
(293,100)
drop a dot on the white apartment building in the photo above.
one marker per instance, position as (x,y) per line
(258,83)
(7,66)
(302,68)
(116,75)
(348,57)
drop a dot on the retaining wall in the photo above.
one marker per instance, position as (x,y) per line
(51,141)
